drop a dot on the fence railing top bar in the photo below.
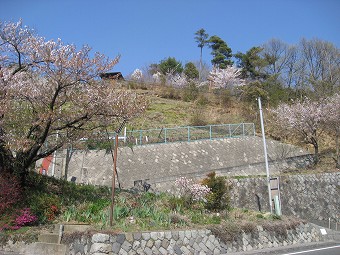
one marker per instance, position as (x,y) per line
(186,127)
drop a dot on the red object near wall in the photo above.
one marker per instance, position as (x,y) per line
(45,165)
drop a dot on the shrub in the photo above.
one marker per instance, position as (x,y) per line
(224,97)
(228,232)
(190,92)
(176,204)
(25,218)
(191,191)
(169,92)
(45,206)
(219,198)
(202,100)
(22,218)
(198,118)
(10,192)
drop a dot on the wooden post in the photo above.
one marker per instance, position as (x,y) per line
(114,179)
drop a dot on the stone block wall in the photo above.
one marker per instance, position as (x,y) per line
(187,242)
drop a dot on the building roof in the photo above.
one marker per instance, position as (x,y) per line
(112,76)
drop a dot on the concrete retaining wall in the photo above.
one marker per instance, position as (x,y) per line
(162,162)
(314,197)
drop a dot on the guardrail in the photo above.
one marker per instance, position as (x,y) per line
(189,133)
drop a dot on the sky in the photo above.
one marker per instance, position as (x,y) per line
(143,32)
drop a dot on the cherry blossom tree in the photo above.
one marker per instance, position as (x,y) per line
(137,75)
(176,80)
(332,122)
(305,118)
(156,77)
(50,95)
(226,78)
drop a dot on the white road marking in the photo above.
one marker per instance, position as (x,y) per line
(320,249)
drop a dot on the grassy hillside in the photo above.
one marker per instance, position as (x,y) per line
(166,110)
(170,107)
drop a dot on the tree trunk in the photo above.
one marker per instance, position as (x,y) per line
(69,152)
(316,154)
(316,150)
(200,71)
(20,167)
(337,153)
(6,159)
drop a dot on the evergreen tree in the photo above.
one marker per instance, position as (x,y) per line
(191,71)
(221,52)
(252,63)
(170,66)
(201,38)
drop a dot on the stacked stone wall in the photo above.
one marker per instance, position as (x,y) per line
(188,242)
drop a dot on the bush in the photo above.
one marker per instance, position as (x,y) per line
(169,92)
(202,100)
(190,92)
(176,204)
(219,198)
(10,193)
(25,218)
(191,192)
(224,97)
(198,118)
(18,219)
(45,206)
(228,232)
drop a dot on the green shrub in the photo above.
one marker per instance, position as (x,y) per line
(170,92)
(45,206)
(219,198)
(259,216)
(176,203)
(190,92)
(198,118)
(202,100)
(224,97)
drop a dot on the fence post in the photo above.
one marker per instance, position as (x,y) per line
(242,129)
(188,133)
(210,132)
(164,135)
(229,131)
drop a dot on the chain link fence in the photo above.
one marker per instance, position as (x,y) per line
(188,134)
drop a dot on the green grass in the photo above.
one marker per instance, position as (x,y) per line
(133,212)
(163,113)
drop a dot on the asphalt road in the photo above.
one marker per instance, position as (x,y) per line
(333,250)
(323,248)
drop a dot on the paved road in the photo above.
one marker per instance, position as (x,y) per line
(333,250)
(324,248)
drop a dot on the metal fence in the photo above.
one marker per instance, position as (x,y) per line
(189,133)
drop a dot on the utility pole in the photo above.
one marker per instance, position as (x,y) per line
(265,157)
(115,171)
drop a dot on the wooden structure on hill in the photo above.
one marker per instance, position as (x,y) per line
(112,76)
